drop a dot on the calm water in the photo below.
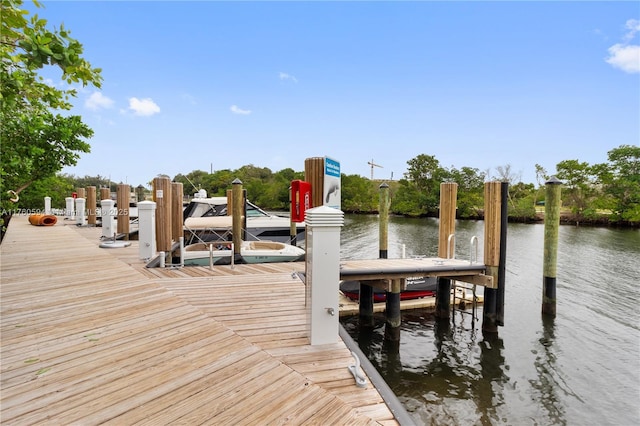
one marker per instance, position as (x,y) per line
(581,368)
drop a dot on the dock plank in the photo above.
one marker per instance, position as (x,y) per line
(92,336)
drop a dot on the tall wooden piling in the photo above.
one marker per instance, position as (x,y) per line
(551,226)
(314,174)
(492,224)
(393,317)
(163,199)
(238,213)
(91,205)
(383,228)
(177,216)
(504,216)
(446,244)
(122,202)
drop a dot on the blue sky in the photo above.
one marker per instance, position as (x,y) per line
(218,85)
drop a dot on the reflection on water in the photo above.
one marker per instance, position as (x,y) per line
(583,367)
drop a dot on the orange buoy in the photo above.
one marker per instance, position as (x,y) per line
(43,219)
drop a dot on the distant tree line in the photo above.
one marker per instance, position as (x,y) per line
(607,193)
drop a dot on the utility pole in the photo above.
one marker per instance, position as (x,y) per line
(372,164)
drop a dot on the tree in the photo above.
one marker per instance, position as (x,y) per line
(470,190)
(37,141)
(358,194)
(426,174)
(620,178)
(579,186)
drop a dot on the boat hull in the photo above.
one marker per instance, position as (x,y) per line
(416,288)
(250,252)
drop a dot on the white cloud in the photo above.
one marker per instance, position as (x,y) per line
(97,101)
(144,107)
(626,56)
(236,110)
(285,76)
(633,26)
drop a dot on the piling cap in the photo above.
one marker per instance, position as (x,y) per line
(236,181)
(553,181)
(383,185)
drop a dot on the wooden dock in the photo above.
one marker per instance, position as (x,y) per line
(89,336)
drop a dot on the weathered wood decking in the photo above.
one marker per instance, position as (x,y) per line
(90,336)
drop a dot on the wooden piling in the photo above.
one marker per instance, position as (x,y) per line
(105,194)
(81,193)
(238,213)
(122,203)
(393,317)
(365,306)
(551,226)
(447,221)
(504,216)
(177,216)
(383,228)
(91,205)
(139,193)
(314,174)
(446,244)
(162,197)
(492,224)
(443,298)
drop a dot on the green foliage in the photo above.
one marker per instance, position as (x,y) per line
(409,200)
(523,209)
(620,179)
(57,187)
(37,142)
(470,190)
(359,194)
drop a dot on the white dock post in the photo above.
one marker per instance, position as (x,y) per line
(323,273)
(146,229)
(80,203)
(70,212)
(108,219)
(47,205)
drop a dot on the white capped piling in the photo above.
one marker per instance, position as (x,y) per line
(47,205)
(80,204)
(146,229)
(108,219)
(322,269)
(70,210)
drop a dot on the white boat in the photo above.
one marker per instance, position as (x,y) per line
(206,219)
(202,254)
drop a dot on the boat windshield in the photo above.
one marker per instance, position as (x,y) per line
(207,209)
